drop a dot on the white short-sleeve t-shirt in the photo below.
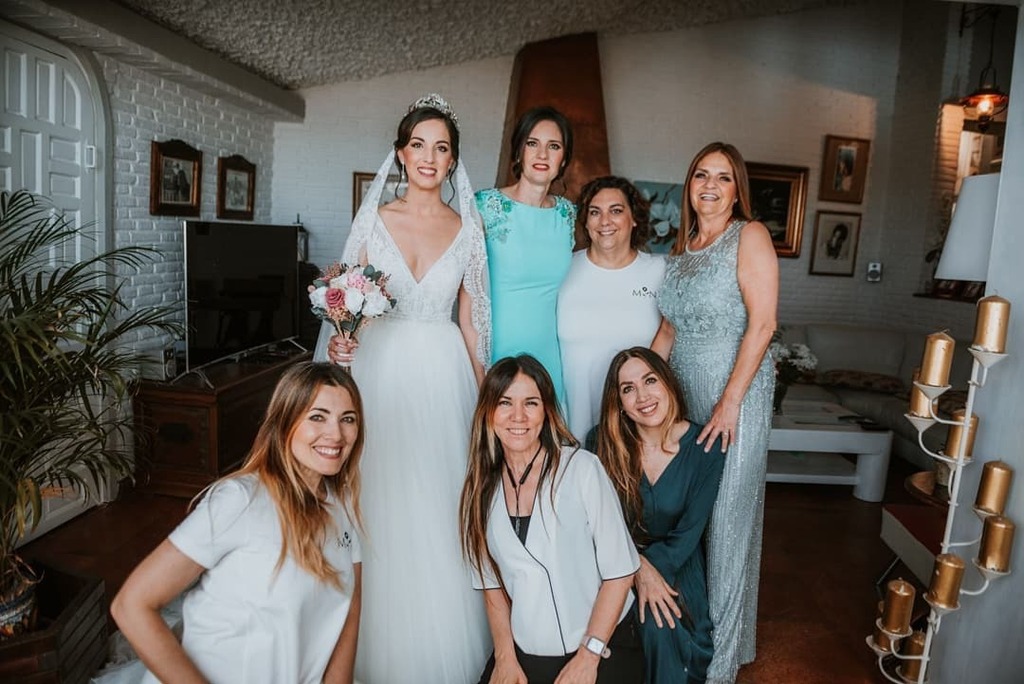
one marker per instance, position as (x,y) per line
(244,622)
(601,312)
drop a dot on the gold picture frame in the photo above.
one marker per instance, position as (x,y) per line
(844,169)
(361,181)
(778,196)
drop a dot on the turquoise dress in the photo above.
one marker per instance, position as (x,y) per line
(701,298)
(529,250)
(676,511)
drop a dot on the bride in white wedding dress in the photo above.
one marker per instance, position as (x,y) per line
(422,623)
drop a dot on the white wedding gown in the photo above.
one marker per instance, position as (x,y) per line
(421,620)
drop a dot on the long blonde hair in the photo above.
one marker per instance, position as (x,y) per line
(487,456)
(618,442)
(304,517)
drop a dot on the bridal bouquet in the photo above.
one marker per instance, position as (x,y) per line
(348,296)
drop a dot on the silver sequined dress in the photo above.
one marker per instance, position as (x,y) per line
(701,299)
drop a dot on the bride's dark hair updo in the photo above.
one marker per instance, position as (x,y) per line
(419,115)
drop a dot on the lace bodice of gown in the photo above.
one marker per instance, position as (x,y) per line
(430,299)
(701,295)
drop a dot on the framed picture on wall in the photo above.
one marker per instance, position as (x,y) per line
(361,181)
(777,196)
(175,178)
(834,251)
(236,188)
(844,169)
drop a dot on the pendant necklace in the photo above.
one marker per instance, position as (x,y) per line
(516,487)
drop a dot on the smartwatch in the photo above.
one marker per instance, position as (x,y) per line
(595,646)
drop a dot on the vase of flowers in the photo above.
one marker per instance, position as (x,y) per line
(792,362)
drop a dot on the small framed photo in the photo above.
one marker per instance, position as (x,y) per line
(236,188)
(175,179)
(777,197)
(361,182)
(834,251)
(844,169)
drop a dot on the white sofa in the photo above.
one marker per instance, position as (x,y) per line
(883,351)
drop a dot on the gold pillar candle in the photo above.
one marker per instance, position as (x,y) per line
(956,434)
(944,589)
(994,487)
(910,670)
(938,356)
(880,638)
(996,544)
(899,602)
(920,404)
(991,324)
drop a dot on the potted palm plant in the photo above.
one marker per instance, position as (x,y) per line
(65,375)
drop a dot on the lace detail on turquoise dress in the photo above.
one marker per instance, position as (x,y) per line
(701,298)
(494,209)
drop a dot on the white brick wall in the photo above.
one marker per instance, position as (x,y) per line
(773,86)
(145,107)
(350,127)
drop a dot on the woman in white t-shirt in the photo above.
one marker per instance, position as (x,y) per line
(543,529)
(607,302)
(275,550)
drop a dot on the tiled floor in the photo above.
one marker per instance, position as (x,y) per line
(822,555)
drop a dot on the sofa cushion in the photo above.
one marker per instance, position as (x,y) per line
(858,379)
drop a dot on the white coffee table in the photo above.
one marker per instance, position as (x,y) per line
(807,438)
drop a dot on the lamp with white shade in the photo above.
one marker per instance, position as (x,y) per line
(968,245)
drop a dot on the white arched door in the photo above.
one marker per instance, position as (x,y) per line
(52,130)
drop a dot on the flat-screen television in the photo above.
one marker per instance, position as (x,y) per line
(241,288)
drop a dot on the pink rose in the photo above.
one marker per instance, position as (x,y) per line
(357,281)
(335,297)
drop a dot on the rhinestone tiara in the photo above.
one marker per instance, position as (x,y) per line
(437,102)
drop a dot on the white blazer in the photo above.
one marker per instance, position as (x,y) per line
(553,580)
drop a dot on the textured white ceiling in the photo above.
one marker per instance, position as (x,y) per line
(301,43)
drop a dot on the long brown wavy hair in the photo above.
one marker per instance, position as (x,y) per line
(487,456)
(305,520)
(740,210)
(618,442)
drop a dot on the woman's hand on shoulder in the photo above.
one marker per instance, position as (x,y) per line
(655,594)
(722,424)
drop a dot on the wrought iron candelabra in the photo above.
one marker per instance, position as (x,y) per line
(892,635)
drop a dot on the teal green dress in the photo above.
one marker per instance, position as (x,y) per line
(529,250)
(676,511)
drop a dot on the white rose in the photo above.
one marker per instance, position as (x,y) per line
(354,300)
(338,283)
(376,304)
(318,298)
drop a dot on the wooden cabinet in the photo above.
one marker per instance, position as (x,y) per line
(189,433)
